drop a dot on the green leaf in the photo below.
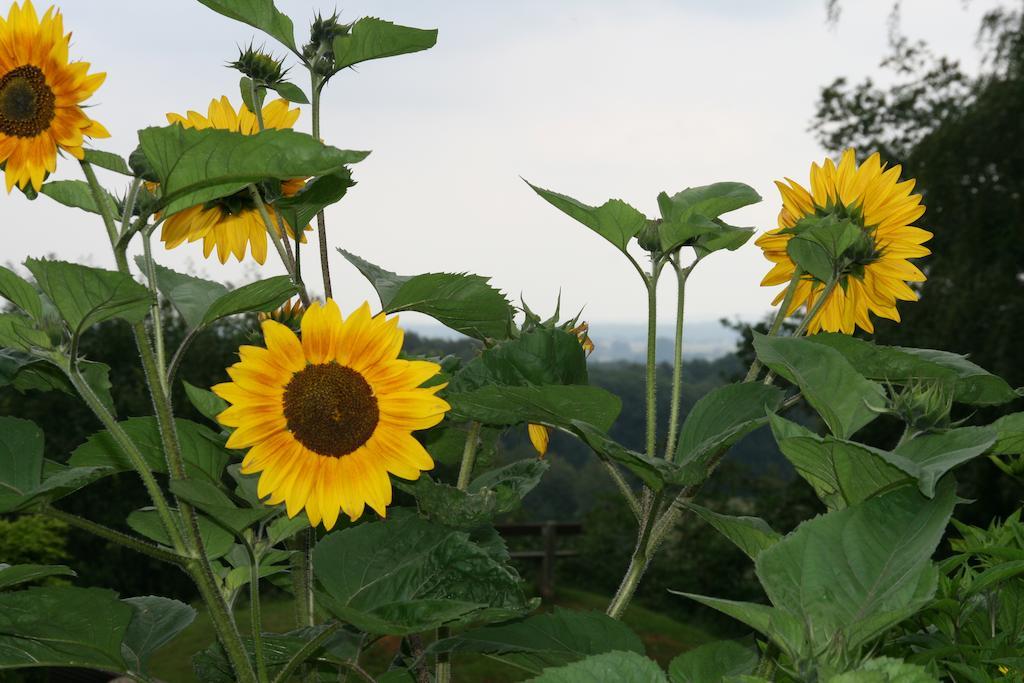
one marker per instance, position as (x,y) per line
(108,160)
(200,449)
(315,196)
(261,14)
(209,404)
(27,372)
(724,416)
(621,667)
(191,296)
(655,472)
(886,670)
(78,195)
(541,356)
(550,639)
(781,627)
(23,573)
(196,166)
(406,575)
(899,365)
(62,626)
(932,455)
(463,302)
(209,498)
(21,459)
(842,472)
(842,397)
(712,662)
(729,237)
(20,293)
(853,573)
(554,405)
(85,296)
(370,38)
(986,580)
(290,92)
(263,295)
(17,332)
(615,220)
(1010,434)
(689,214)
(750,534)
(493,493)
(155,622)
(245,88)
(217,541)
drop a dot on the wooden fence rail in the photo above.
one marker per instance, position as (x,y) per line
(549,533)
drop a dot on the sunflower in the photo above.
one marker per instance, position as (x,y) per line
(40,96)
(873,198)
(231,223)
(327,418)
(539,434)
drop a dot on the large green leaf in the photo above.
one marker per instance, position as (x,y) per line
(196,166)
(406,575)
(27,372)
(1010,434)
(315,196)
(722,417)
(712,662)
(841,472)
(17,332)
(750,534)
(263,295)
(463,302)
(261,14)
(615,220)
(493,493)
(191,296)
(108,160)
(20,293)
(542,356)
(155,622)
(62,626)
(781,627)
(370,38)
(85,296)
(899,365)
(621,667)
(200,449)
(852,573)
(212,500)
(690,214)
(886,670)
(217,541)
(78,195)
(843,398)
(932,455)
(555,405)
(23,573)
(549,639)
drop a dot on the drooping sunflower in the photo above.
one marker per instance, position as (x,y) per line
(40,96)
(231,223)
(873,197)
(540,435)
(327,418)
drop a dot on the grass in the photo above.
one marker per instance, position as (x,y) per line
(663,636)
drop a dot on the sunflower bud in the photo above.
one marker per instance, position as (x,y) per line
(649,238)
(260,66)
(319,51)
(289,314)
(924,405)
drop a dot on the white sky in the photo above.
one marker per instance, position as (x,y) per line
(595,99)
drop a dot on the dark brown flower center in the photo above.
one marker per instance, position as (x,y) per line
(331,409)
(26,102)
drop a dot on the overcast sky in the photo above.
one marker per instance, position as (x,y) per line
(592,98)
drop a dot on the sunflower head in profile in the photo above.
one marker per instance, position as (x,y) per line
(540,436)
(40,96)
(328,417)
(230,224)
(872,197)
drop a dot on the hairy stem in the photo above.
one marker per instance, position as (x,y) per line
(677,362)
(256,617)
(780,316)
(321,224)
(311,646)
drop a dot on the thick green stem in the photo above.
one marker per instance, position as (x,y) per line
(321,223)
(677,362)
(100,197)
(624,488)
(305,652)
(443,670)
(158,332)
(652,364)
(271,229)
(124,540)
